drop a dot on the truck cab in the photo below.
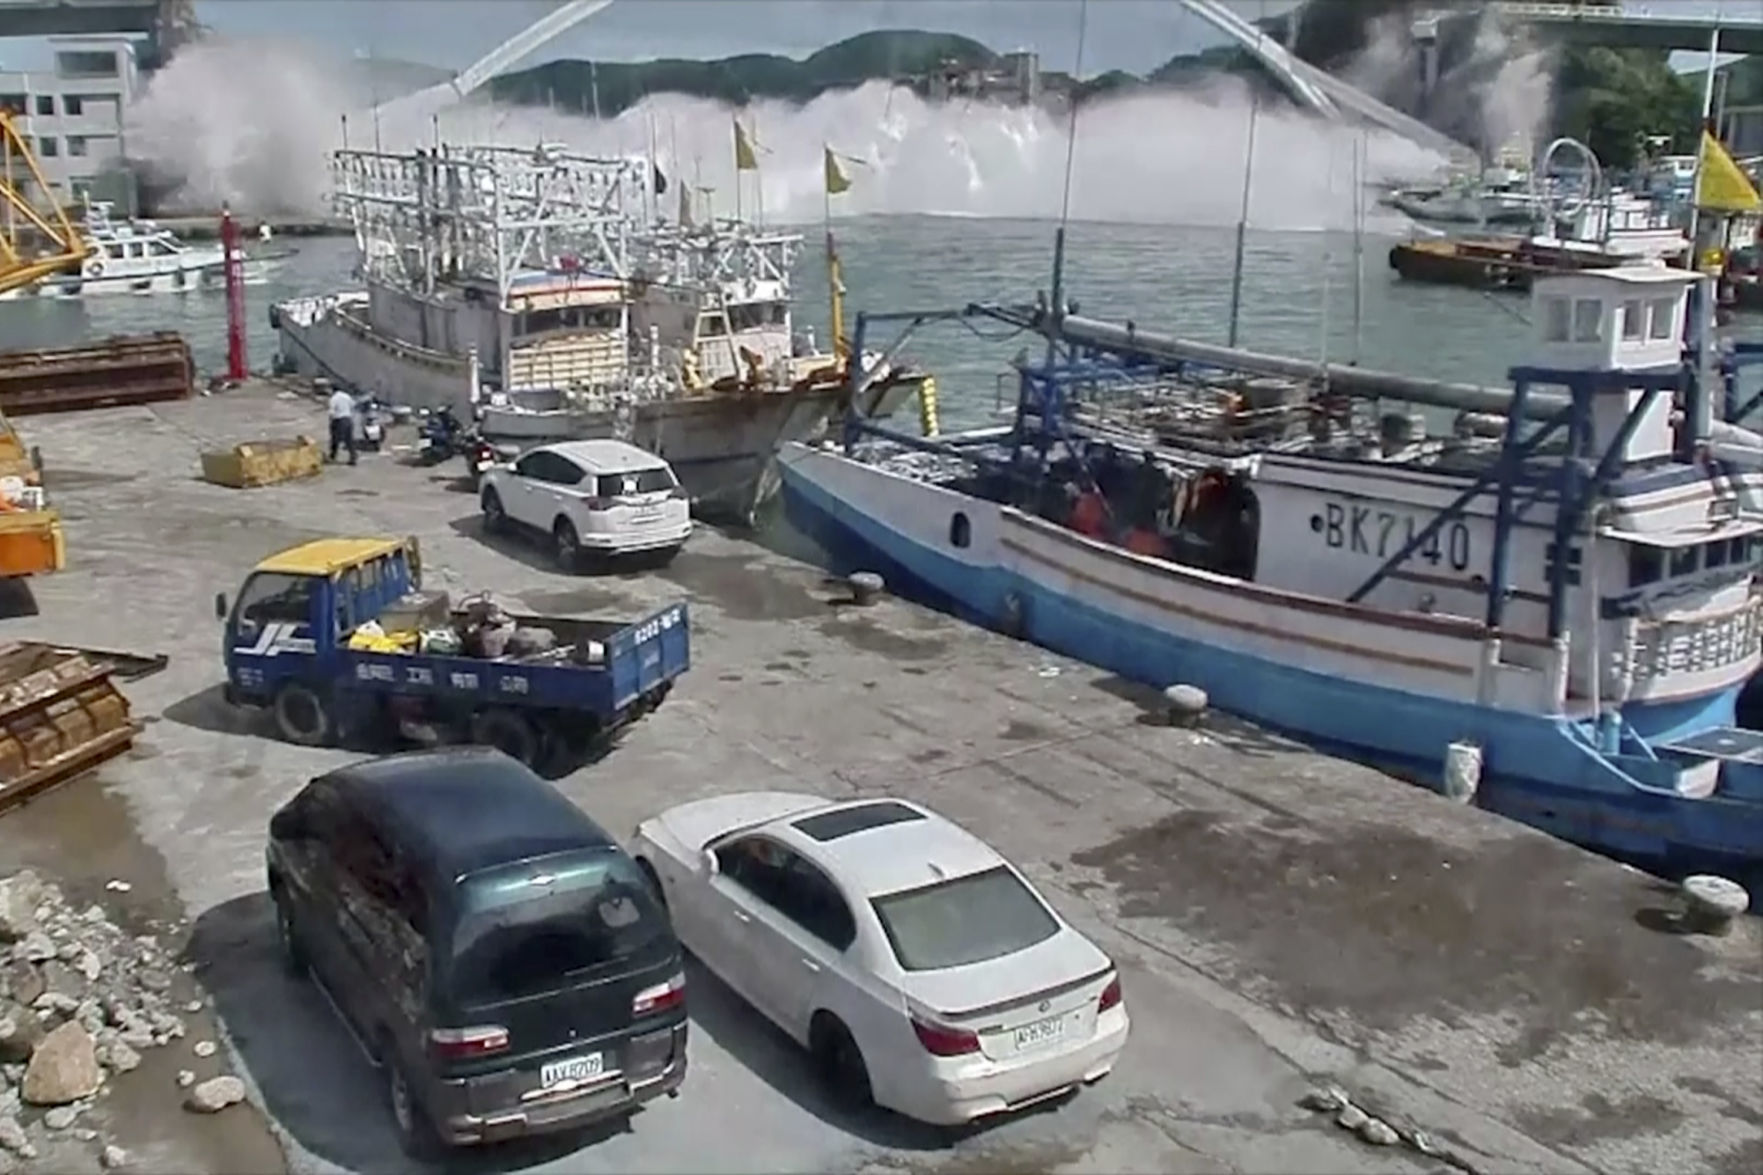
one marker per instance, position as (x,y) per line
(336,638)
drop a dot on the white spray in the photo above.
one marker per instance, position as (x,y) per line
(252,123)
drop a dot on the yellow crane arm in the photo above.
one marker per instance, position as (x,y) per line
(63,246)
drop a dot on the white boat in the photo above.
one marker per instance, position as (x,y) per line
(522,287)
(139,257)
(1550,613)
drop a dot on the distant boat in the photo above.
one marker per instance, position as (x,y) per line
(138,257)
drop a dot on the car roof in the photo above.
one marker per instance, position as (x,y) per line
(885,851)
(459,810)
(606,455)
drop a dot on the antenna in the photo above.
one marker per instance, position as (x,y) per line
(1058,303)
(1236,272)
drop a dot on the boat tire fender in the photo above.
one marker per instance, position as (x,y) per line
(97,269)
(1463,767)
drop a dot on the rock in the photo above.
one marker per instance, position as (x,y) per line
(203,1048)
(19,895)
(152,979)
(1423,1142)
(22,980)
(1325,1099)
(113,1157)
(115,885)
(865,586)
(137,1038)
(1185,704)
(90,964)
(1351,1117)
(119,1057)
(35,947)
(62,980)
(12,1137)
(185,1079)
(1378,1132)
(215,1094)
(64,1068)
(19,1033)
(193,1007)
(61,1117)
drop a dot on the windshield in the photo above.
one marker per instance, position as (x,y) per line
(540,926)
(971,919)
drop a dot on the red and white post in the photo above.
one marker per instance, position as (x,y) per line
(235,295)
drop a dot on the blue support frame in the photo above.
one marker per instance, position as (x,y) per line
(1736,359)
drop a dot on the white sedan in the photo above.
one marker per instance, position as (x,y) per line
(918,967)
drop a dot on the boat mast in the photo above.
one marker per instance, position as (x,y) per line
(1236,271)
(1358,245)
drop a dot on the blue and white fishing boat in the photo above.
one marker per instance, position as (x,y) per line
(1550,612)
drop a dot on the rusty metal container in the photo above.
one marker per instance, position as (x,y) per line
(60,714)
(262,463)
(127,369)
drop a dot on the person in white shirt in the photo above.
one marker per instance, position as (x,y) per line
(342,412)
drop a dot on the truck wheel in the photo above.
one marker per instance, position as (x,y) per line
(301,716)
(509,732)
(495,518)
(567,545)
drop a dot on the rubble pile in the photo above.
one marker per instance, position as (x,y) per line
(80,1001)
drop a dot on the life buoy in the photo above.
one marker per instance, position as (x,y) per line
(97,269)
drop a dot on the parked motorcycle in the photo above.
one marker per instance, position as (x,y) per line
(373,425)
(481,454)
(441,437)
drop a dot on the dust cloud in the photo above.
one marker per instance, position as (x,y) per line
(251,123)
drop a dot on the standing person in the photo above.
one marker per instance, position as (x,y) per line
(342,413)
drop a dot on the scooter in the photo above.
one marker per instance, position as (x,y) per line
(441,437)
(373,428)
(481,454)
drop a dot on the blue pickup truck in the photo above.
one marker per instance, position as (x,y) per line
(289,649)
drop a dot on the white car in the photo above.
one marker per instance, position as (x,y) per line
(917,965)
(600,497)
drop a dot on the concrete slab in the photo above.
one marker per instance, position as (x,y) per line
(1282,919)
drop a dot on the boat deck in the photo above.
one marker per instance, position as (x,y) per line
(1281,919)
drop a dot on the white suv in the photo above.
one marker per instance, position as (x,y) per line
(603,498)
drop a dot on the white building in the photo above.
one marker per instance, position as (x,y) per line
(72,116)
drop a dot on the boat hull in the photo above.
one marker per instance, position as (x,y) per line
(1306,674)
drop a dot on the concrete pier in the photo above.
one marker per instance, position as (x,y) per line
(1283,921)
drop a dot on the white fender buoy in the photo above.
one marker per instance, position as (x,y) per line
(1711,903)
(1462,771)
(1184,704)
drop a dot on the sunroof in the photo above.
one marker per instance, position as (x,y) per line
(844,821)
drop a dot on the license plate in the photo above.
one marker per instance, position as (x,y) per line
(572,1069)
(646,512)
(1040,1032)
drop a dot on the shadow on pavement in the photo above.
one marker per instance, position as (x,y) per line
(315,1081)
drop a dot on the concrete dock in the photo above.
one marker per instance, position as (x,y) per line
(1283,921)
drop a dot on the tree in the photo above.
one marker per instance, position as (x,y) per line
(1612,99)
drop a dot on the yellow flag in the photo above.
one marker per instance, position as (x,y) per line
(836,180)
(745,160)
(1721,185)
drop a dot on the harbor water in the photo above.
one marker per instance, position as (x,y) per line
(1298,297)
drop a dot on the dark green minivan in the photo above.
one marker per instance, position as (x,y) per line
(507,966)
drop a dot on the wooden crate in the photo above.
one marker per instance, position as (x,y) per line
(262,463)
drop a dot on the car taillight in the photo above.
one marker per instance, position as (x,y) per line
(940,1040)
(1110,995)
(597,503)
(677,492)
(458,1044)
(660,997)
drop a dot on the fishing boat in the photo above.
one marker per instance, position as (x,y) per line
(1549,612)
(138,257)
(536,290)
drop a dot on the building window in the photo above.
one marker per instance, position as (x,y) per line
(1718,553)
(1555,318)
(72,104)
(12,103)
(45,103)
(1634,320)
(960,530)
(80,190)
(86,64)
(76,144)
(47,147)
(1588,318)
(1645,565)
(1684,560)
(1664,318)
